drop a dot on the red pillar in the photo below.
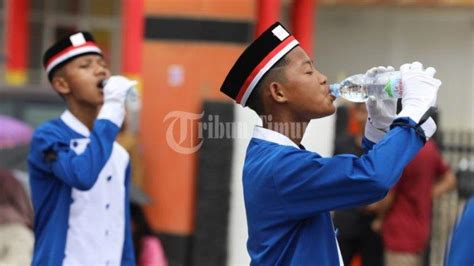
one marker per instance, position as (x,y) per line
(16,46)
(268,11)
(303,21)
(132,38)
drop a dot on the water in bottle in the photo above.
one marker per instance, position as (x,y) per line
(359,88)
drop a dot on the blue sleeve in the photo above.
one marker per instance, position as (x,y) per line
(460,249)
(367,145)
(50,152)
(128,256)
(308,183)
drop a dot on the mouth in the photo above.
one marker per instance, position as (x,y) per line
(333,98)
(101,84)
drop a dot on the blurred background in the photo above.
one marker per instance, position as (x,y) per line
(181,50)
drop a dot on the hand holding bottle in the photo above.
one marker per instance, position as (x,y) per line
(116,88)
(420,90)
(115,91)
(381,112)
(375,71)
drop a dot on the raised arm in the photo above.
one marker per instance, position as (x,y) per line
(52,154)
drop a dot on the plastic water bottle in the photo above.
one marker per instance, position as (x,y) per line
(359,88)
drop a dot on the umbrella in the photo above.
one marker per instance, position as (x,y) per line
(14,132)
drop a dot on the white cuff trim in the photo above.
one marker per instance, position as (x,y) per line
(414,113)
(429,127)
(113,111)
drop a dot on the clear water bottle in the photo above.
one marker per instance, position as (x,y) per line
(359,88)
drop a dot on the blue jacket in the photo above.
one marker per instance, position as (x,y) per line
(289,193)
(79,183)
(461,251)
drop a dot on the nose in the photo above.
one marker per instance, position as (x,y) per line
(101,70)
(322,79)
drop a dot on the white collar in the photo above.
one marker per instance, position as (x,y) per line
(71,121)
(272,136)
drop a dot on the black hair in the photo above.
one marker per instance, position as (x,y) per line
(275,73)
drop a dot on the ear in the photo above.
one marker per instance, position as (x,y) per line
(60,85)
(277,92)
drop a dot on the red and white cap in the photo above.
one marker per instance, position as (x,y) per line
(259,57)
(68,48)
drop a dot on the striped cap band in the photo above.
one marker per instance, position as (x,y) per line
(73,51)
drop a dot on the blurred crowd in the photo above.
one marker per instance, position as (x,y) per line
(397,229)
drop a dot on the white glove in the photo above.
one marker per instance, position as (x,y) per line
(429,127)
(378,70)
(115,93)
(381,112)
(381,115)
(420,90)
(116,89)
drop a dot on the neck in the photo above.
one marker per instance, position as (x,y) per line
(286,124)
(85,114)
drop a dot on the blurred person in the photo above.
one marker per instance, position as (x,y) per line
(354,232)
(459,248)
(147,246)
(79,175)
(406,222)
(16,222)
(289,191)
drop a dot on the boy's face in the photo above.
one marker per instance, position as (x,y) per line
(306,89)
(82,76)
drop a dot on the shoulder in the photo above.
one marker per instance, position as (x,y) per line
(262,150)
(277,150)
(260,144)
(48,136)
(263,154)
(51,129)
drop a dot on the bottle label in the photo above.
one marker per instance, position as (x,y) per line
(393,88)
(389,89)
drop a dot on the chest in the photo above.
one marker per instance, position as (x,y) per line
(108,193)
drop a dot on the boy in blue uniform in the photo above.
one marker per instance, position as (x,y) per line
(289,191)
(79,175)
